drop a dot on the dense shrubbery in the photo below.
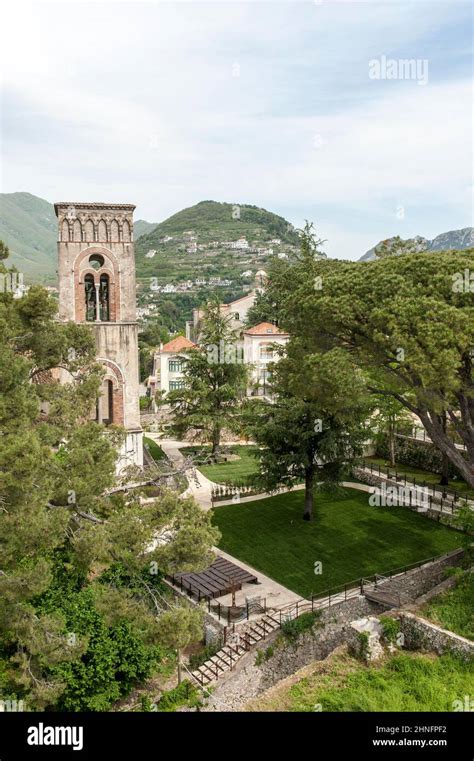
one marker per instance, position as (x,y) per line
(184,694)
(117,656)
(416,454)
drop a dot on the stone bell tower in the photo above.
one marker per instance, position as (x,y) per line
(97,287)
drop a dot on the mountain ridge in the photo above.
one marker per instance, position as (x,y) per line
(213,239)
(448,241)
(28,226)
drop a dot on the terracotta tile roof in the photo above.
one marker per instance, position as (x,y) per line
(178,344)
(265,329)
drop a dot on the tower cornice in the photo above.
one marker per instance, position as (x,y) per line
(94,205)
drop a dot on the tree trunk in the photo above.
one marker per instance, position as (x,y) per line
(392,448)
(178,652)
(448,448)
(308,493)
(444,480)
(216,440)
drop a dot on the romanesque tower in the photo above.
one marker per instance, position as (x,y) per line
(97,287)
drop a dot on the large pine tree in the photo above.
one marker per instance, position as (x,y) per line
(215,380)
(63,614)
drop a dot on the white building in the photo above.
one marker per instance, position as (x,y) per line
(168,365)
(241,243)
(237,310)
(260,344)
(257,345)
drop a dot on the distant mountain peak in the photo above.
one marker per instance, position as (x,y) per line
(449,241)
(214,239)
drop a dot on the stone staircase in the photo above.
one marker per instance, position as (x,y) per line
(239,643)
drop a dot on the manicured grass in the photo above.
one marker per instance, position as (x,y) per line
(420,475)
(154,449)
(350,538)
(454,609)
(406,682)
(236,472)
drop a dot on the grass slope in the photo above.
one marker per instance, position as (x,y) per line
(154,449)
(406,682)
(236,472)
(454,609)
(350,538)
(28,226)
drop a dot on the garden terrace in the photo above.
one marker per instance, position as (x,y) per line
(348,536)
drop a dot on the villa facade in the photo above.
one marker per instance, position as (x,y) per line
(257,347)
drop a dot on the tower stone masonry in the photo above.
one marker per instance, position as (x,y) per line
(96,268)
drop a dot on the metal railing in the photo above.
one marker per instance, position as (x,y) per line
(343,592)
(448,497)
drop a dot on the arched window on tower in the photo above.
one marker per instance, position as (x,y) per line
(104,413)
(102,232)
(126,231)
(108,414)
(90,297)
(104,293)
(89,231)
(114,230)
(77,231)
(65,230)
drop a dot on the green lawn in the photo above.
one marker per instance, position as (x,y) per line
(406,682)
(454,609)
(236,472)
(154,449)
(420,475)
(350,538)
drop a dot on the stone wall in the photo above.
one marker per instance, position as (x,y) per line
(419,581)
(421,634)
(247,680)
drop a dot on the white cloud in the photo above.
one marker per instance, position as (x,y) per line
(137,102)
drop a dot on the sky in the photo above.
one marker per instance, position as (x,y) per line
(301,107)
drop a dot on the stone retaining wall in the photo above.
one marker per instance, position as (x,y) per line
(247,680)
(421,634)
(420,580)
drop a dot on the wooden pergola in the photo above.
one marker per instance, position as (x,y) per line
(221,578)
